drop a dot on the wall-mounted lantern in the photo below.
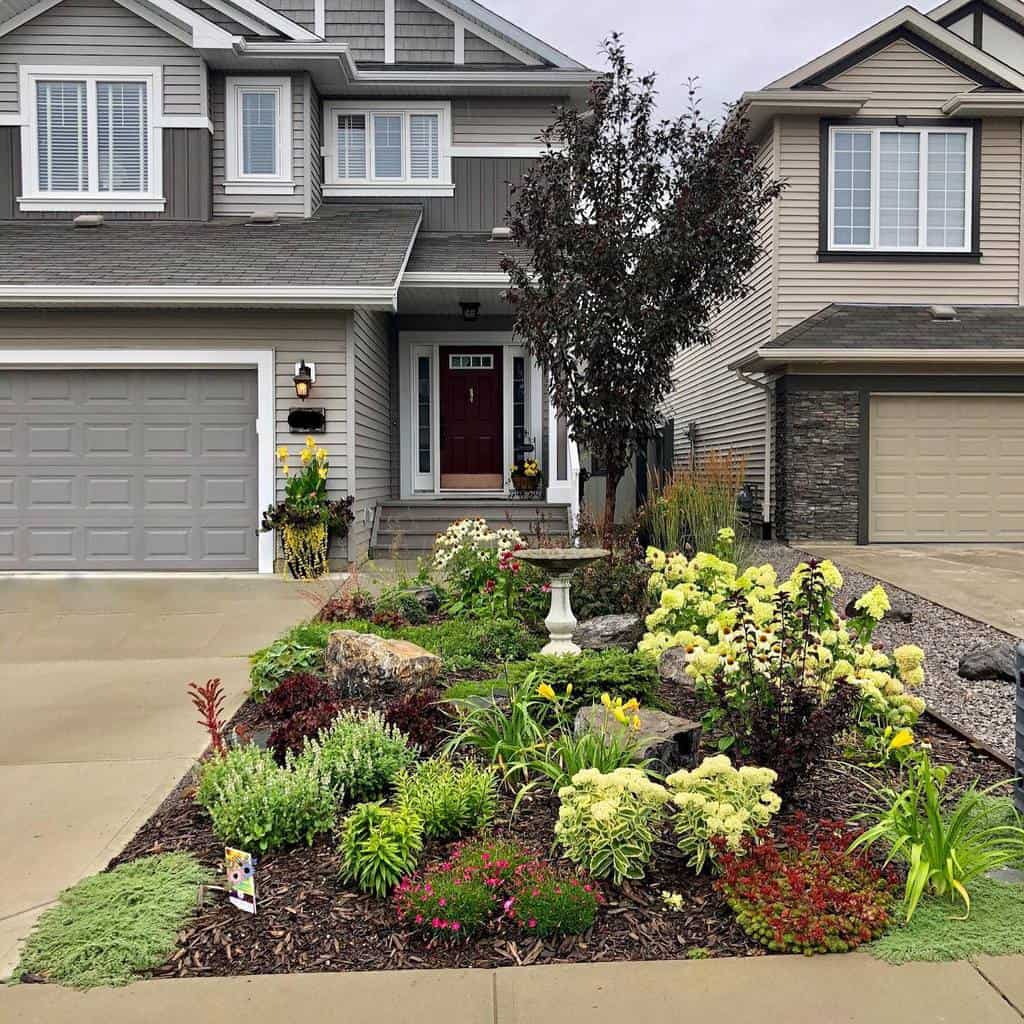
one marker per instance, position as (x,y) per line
(470,311)
(305,375)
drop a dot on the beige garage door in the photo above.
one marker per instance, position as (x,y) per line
(946,468)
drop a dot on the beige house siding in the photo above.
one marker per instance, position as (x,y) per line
(314,336)
(807,285)
(370,371)
(730,413)
(902,79)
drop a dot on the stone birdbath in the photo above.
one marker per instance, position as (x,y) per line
(560,563)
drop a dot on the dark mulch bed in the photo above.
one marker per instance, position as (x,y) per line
(309,921)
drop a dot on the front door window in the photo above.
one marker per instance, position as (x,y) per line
(471,439)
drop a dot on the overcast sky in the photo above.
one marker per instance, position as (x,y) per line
(730,45)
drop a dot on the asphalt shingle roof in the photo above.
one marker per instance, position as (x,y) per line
(843,326)
(349,248)
(449,253)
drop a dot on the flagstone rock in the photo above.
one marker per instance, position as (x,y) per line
(669,741)
(607,631)
(363,665)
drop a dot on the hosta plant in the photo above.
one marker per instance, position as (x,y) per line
(609,823)
(379,846)
(716,807)
(944,847)
(807,894)
(450,801)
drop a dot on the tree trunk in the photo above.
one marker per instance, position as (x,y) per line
(611,484)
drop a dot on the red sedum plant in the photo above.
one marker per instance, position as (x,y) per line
(807,894)
(291,736)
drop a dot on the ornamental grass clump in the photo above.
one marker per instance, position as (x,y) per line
(111,927)
(716,807)
(360,755)
(807,894)
(451,801)
(380,846)
(609,823)
(255,804)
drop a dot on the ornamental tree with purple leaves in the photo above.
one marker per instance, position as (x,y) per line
(632,233)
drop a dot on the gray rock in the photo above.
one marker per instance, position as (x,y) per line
(428,598)
(988,661)
(899,612)
(670,742)
(672,667)
(363,665)
(1008,876)
(608,631)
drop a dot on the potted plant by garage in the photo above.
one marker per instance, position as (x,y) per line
(526,476)
(307,519)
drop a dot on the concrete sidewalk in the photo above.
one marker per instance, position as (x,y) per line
(853,989)
(97,727)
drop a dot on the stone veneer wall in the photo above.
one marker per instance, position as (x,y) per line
(817,463)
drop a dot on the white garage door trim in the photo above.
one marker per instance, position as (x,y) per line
(261,359)
(869,495)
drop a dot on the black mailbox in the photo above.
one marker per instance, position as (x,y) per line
(307,420)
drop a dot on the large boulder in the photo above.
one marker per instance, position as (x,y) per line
(608,631)
(672,668)
(670,742)
(899,612)
(428,598)
(988,661)
(363,665)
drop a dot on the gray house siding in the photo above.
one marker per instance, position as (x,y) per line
(422,35)
(302,12)
(370,369)
(494,120)
(90,32)
(292,205)
(360,23)
(481,199)
(479,51)
(186,162)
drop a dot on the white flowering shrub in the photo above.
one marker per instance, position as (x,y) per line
(472,558)
(473,536)
(608,822)
(717,803)
(736,628)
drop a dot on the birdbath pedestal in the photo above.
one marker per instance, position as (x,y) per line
(560,563)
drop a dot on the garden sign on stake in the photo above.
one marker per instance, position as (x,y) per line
(241,872)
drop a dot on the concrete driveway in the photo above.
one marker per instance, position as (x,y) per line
(983,581)
(96,727)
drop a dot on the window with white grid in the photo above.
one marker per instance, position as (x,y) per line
(258,136)
(352,145)
(894,189)
(89,140)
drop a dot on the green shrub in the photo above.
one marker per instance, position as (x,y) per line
(612,586)
(548,903)
(256,805)
(609,824)
(379,847)
(467,643)
(451,801)
(466,688)
(269,667)
(616,672)
(359,755)
(397,601)
(113,926)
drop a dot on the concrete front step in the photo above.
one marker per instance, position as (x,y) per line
(410,527)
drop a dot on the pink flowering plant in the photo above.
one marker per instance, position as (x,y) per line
(493,882)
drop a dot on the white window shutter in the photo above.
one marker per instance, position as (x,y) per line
(424,152)
(122,136)
(259,132)
(352,146)
(61,136)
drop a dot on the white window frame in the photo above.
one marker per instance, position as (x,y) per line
(922,131)
(404,186)
(151,200)
(236,182)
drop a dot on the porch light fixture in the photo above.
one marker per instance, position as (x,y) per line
(470,311)
(305,374)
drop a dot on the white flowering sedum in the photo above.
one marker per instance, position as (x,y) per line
(726,621)
(717,801)
(609,822)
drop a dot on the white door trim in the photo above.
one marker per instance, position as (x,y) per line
(261,359)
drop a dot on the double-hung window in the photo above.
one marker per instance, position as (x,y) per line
(900,189)
(90,140)
(258,136)
(382,149)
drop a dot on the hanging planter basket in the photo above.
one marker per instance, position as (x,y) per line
(525,484)
(305,550)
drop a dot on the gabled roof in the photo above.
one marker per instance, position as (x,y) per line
(953,10)
(923,32)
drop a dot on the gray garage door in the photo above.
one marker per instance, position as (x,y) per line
(128,469)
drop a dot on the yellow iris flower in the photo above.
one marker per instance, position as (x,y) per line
(903,738)
(546,691)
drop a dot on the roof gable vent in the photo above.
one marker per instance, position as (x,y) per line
(943,312)
(262,218)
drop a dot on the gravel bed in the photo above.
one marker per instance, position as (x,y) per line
(985,708)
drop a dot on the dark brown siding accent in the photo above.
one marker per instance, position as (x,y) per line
(481,198)
(186,168)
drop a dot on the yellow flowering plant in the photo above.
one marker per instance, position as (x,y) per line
(307,517)
(716,806)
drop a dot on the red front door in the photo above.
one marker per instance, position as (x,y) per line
(471,404)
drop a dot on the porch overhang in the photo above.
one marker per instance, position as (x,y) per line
(766,360)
